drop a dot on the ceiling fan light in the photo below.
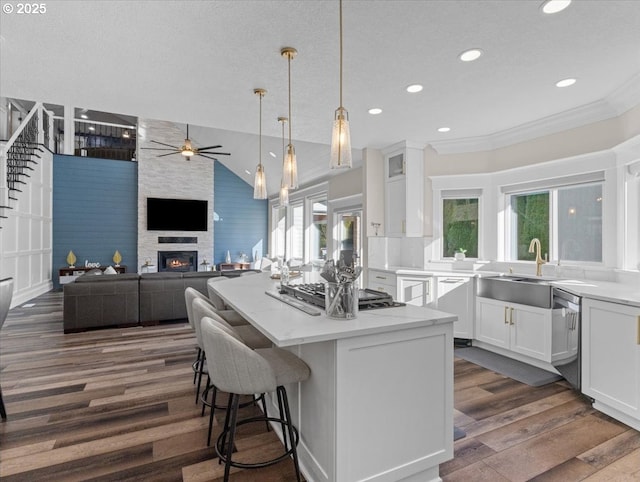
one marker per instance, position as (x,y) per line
(187,152)
(260,183)
(340,141)
(290,168)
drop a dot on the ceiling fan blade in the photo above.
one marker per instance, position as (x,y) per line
(169,154)
(219,153)
(160,149)
(168,145)
(208,147)
(208,157)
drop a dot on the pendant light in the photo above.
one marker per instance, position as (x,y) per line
(284,189)
(341,137)
(260,183)
(290,174)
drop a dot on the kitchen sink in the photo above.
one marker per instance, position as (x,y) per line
(517,289)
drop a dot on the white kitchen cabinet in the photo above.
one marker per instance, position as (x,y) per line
(382,281)
(517,328)
(611,359)
(456,295)
(415,290)
(404,190)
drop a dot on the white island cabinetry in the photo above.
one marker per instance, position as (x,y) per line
(611,358)
(383,377)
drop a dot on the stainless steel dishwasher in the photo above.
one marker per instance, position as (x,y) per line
(567,307)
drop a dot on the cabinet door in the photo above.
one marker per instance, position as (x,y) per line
(414,291)
(611,355)
(396,207)
(530,331)
(492,322)
(455,295)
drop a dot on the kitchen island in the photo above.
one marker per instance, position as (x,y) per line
(379,403)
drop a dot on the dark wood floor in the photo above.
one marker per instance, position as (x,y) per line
(118,404)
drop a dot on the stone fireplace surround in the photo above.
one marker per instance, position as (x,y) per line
(171,177)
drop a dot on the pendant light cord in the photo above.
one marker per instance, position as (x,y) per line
(260,142)
(289,58)
(340,55)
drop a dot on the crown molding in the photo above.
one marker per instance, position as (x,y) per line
(615,104)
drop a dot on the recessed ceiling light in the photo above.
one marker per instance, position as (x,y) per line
(272,154)
(413,88)
(84,116)
(375,111)
(555,6)
(565,82)
(444,129)
(91,128)
(470,55)
(248,172)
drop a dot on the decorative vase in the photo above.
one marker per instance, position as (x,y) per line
(227,258)
(117,257)
(71,259)
(459,256)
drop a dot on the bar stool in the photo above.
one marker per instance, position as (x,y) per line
(229,315)
(238,370)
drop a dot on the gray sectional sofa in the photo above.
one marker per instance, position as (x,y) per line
(98,301)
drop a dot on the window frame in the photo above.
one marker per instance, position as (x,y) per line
(554,185)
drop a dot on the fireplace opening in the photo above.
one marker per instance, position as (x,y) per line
(177,261)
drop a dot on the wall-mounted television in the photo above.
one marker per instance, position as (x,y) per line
(177,214)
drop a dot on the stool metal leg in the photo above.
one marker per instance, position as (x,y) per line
(204,394)
(294,450)
(214,394)
(195,366)
(233,408)
(3,411)
(200,371)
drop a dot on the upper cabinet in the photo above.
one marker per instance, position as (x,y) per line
(404,190)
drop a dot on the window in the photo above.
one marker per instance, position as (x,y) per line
(279,221)
(460,227)
(349,232)
(567,220)
(297,232)
(318,230)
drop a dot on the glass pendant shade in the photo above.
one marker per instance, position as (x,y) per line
(260,184)
(290,169)
(341,141)
(284,195)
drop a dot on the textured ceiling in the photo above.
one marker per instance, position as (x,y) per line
(198,62)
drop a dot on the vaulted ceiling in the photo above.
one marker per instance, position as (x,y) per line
(198,62)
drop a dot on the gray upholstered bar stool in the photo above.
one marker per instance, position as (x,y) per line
(225,312)
(6,293)
(238,370)
(200,308)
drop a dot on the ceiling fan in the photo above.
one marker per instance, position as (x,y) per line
(187,150)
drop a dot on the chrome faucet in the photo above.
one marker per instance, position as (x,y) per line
(534,245)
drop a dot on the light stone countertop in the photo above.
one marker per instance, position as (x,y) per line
(628,294)
(287,326)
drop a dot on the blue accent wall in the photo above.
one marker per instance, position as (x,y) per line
(95,211)
(240,222)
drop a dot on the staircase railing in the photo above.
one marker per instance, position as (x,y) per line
(21,152)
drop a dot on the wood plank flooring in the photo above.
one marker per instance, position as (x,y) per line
(118,405)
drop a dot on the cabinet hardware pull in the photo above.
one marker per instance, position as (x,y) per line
(511,316)
(638,331)
(506,308)
(381,277)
